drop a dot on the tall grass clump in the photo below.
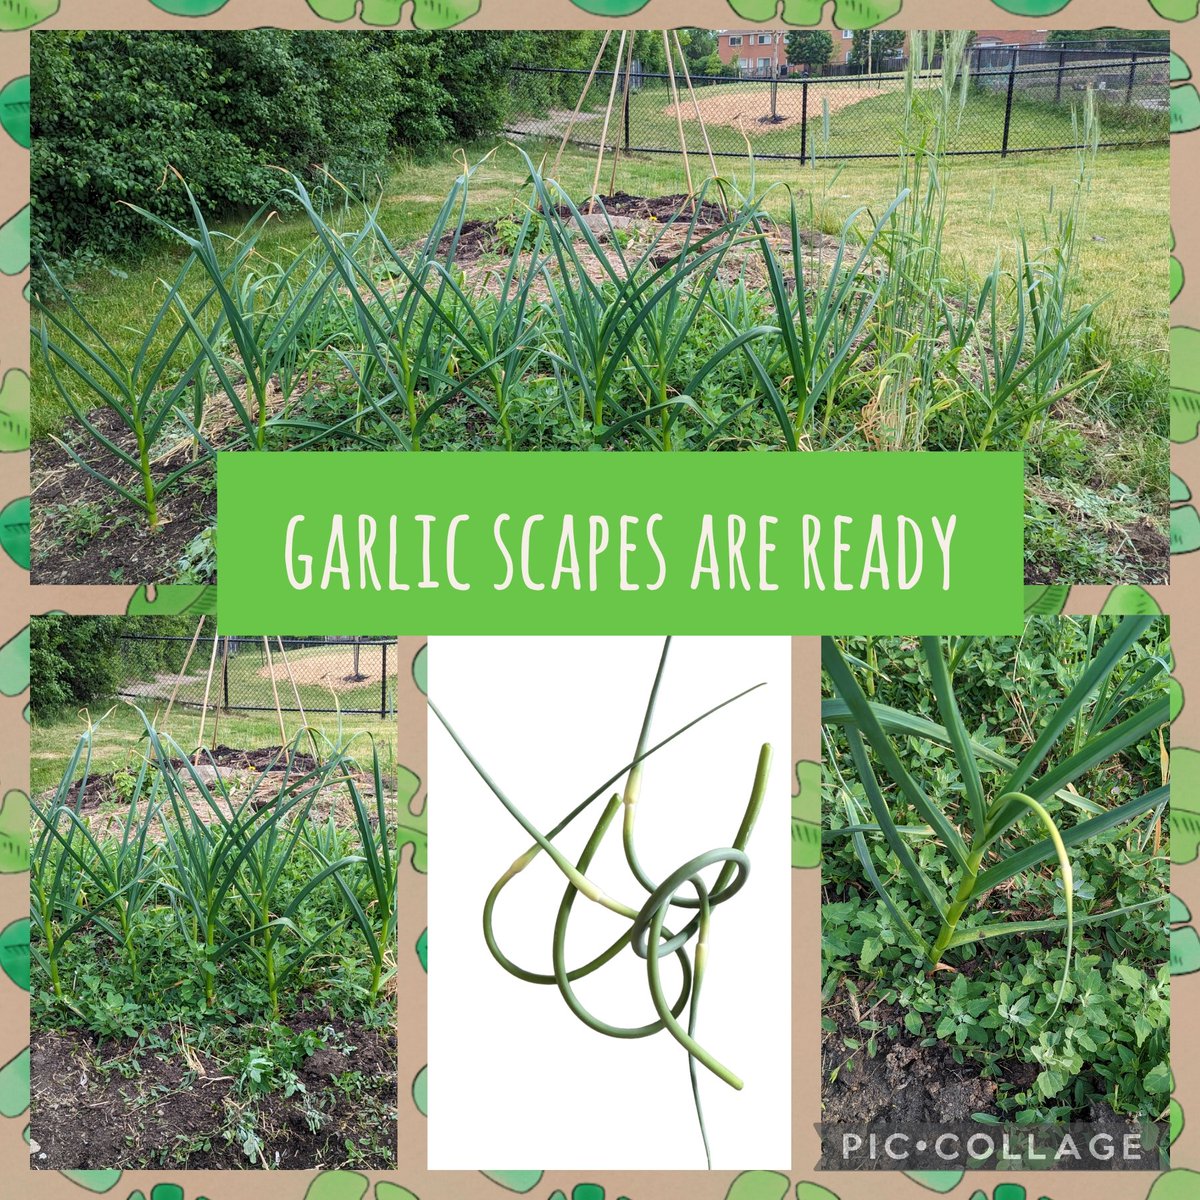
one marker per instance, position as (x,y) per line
(992,359)
(914,241)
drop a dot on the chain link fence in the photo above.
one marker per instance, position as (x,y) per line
(349,675)
(1026,105)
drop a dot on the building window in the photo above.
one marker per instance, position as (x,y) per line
(847,34)
(764,39)
(735,39)
(745,64)
(764,64)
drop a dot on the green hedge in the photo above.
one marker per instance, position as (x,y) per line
(77,661)
(111,111)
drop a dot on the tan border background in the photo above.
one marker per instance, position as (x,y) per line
(18,600)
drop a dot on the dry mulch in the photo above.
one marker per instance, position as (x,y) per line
(241,770)
(728,104)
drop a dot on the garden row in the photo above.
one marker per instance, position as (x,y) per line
(710,325)
(200,893)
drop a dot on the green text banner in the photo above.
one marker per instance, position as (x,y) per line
(620,543)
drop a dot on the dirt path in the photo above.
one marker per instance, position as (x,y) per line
(554,123)
(737,106)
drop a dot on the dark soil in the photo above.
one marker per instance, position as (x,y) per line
(82,532)
(658,208)
(479,238)
(476,239)
(909,1084)
(1143,551)
(110,1105)
(904,1083)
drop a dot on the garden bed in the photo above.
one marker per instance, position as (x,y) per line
(213,954)
(105,796)
(147,1102)
(1041,994)
(917,1081)
(628,323)
(80,535)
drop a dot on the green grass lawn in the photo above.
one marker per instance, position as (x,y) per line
(121,737)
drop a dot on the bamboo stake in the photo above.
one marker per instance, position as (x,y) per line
(212,662)
(687,75)
(275,689)
(678,114)
(612,186)
(292,680)
(612,95)
(579,107)
(187,658)
(224,673)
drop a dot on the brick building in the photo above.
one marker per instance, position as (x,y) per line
(1011,37)
(763,51)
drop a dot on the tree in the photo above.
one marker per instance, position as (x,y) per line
(939,40)
(700,49)
(809,47)
(1107,33)
(871,45)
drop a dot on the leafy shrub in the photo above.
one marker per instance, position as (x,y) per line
(77,661)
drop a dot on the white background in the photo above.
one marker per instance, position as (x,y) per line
(515,1079)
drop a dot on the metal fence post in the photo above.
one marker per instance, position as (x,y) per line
(1012,83)
(1062,62)
(804,120)
(1132,78)
(383,673)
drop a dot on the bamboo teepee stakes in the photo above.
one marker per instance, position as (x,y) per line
(612,185)
(687,78)
(687,167)
(566,137)
(612,95)
(212,662)
(625,48)
(275,690)
(287,666)
(187,658)
(224,675)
